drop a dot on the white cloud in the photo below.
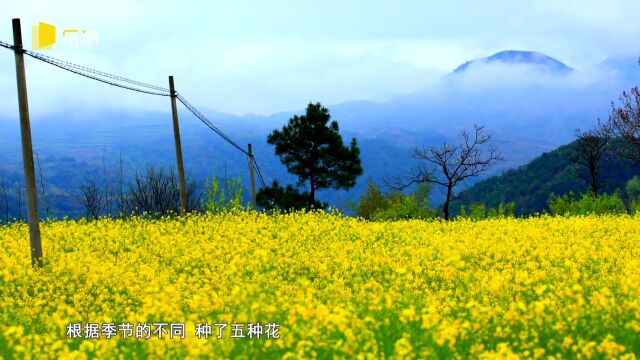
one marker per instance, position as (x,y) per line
(255,56)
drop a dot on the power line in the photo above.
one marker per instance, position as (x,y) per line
(67,64)
(98,75)
(86,71)
(257,169)
(78,72)
(255,163)
(206,121)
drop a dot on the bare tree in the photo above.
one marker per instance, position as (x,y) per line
(44,193)
(450,164)
(625,120)
(5,196)
(91,198)
(19,189)
(156,193)
(108,191)
(590,148)
(121,201)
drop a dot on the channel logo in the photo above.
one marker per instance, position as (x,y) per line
(43,36)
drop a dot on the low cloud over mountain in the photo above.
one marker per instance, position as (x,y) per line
(528,101)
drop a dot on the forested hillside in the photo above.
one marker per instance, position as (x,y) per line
(530,186)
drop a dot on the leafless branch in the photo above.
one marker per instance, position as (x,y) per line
(450,164)
(5,196)
(624,119)
(91,198)
(590,148)
(44,193)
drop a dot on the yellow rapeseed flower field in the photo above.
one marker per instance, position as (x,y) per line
(329,286)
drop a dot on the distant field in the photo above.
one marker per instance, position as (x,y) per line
(335,287)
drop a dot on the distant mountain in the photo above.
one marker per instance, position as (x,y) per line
(529,186)
(72,152)
(519,57)
(528,110)
(525,115)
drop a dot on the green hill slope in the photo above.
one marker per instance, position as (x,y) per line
(530,185)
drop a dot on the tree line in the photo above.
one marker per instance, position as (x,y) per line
(311,147)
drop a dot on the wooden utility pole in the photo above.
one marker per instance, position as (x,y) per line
(27,149)
(253,183)
(176,135)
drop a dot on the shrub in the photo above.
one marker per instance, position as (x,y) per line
(155,193)
(373,205)
(219,199)
(277,198)
(402,207)
(589,203)
(371,202)
(480,211)
(632,195)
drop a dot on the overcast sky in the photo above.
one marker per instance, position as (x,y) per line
(268,56)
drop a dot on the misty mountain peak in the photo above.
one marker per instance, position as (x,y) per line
(519,57)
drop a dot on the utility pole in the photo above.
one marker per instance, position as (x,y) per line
(176,135)
(27,149)
(253,183)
